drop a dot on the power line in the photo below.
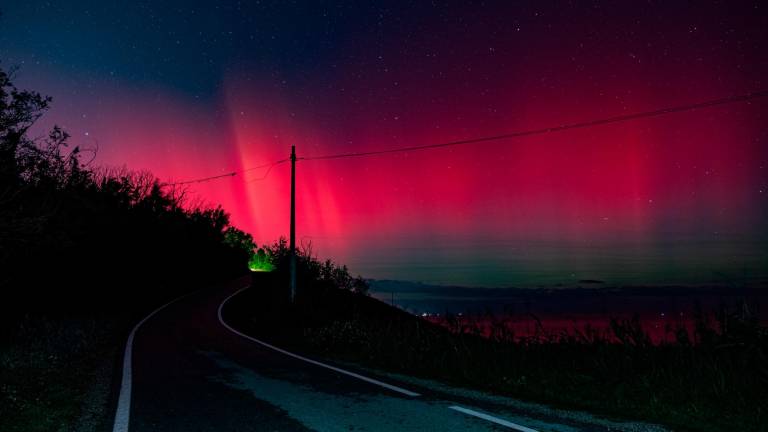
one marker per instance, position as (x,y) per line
(599,122)
(229,174)
(585,124)
(200,180)
(269,165)
(266,174)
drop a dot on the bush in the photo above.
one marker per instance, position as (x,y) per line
(82,249)
(313,276)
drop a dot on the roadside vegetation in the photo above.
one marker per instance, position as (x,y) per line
(711,378)
(85,252)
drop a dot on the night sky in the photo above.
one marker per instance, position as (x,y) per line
(189,90)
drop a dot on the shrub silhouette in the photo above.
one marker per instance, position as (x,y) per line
(112,237)
(314,277)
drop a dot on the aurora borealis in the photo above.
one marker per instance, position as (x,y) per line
(191,90)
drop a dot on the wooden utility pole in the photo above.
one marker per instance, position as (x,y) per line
(293,222)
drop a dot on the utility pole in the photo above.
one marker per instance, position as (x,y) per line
(293,222)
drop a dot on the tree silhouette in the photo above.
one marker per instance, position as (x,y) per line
(97,227)
(19,110)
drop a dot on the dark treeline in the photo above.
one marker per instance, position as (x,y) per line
(73,237)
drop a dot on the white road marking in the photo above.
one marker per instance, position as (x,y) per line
(123,412)
(493,419)
(314,362)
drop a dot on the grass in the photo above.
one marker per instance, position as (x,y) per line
(713,379)
(47,368)
(57,366)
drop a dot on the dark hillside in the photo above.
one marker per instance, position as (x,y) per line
(620,374)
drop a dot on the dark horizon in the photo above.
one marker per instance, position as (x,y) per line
(588,298)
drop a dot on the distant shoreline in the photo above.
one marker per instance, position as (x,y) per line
(586,298)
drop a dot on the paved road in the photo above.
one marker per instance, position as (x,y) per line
(191,373)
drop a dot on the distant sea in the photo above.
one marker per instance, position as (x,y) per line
(585,296)
(588,302)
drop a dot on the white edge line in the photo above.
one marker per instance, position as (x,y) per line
(123,411)
(493,419)
(314,362)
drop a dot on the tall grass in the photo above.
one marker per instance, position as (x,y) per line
(712,378)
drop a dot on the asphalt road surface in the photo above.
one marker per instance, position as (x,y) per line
(189,372)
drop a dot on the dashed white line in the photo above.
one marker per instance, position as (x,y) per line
(492,419)
(123,412)
(314,362)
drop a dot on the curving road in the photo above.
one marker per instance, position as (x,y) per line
(189,372)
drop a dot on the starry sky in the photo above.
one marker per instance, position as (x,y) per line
(191,89)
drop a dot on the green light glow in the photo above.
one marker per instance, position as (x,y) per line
(260,262)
